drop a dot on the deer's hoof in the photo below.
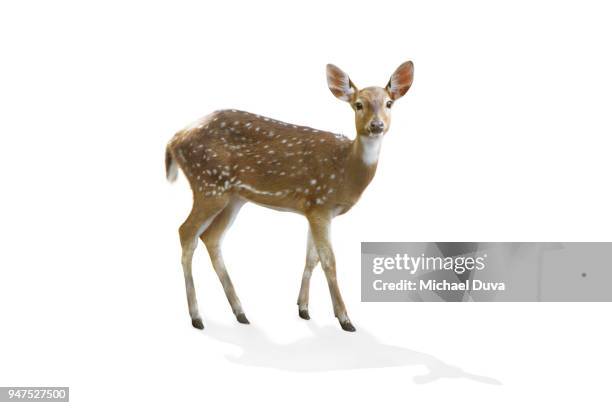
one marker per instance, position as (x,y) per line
(347,326)
(304,314)
(197,323)
(242,318)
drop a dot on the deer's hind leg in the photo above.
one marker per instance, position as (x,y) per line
(202,215)
(212,238)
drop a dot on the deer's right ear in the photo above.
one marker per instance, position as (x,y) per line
(340,84)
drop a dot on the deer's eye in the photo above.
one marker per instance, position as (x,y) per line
(358,105)
(389,104)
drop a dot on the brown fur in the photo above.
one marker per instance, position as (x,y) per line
(295,168)
(231,157)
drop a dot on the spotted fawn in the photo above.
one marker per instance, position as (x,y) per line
(232,157)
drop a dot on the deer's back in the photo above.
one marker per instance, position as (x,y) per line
(267,161)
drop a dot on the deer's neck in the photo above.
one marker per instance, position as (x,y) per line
(361,164)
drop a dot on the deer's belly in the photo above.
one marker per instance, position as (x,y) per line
(268,199)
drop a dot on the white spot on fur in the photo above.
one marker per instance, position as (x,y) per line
(260,192)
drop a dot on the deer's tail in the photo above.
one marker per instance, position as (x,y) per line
(171,166)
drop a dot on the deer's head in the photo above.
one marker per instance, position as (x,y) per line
(372,105)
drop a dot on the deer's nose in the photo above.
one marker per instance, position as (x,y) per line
(377,126)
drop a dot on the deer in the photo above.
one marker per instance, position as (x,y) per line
(232,157)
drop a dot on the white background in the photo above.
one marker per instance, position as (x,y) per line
(503,137)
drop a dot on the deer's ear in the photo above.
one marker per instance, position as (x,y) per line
(340,84)
(401,80)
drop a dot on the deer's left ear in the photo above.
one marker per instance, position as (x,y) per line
(340,84)
(401,80)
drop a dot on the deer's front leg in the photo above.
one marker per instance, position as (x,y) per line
(320,225)
(312,259)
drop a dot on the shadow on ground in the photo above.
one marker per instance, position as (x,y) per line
(328,349)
